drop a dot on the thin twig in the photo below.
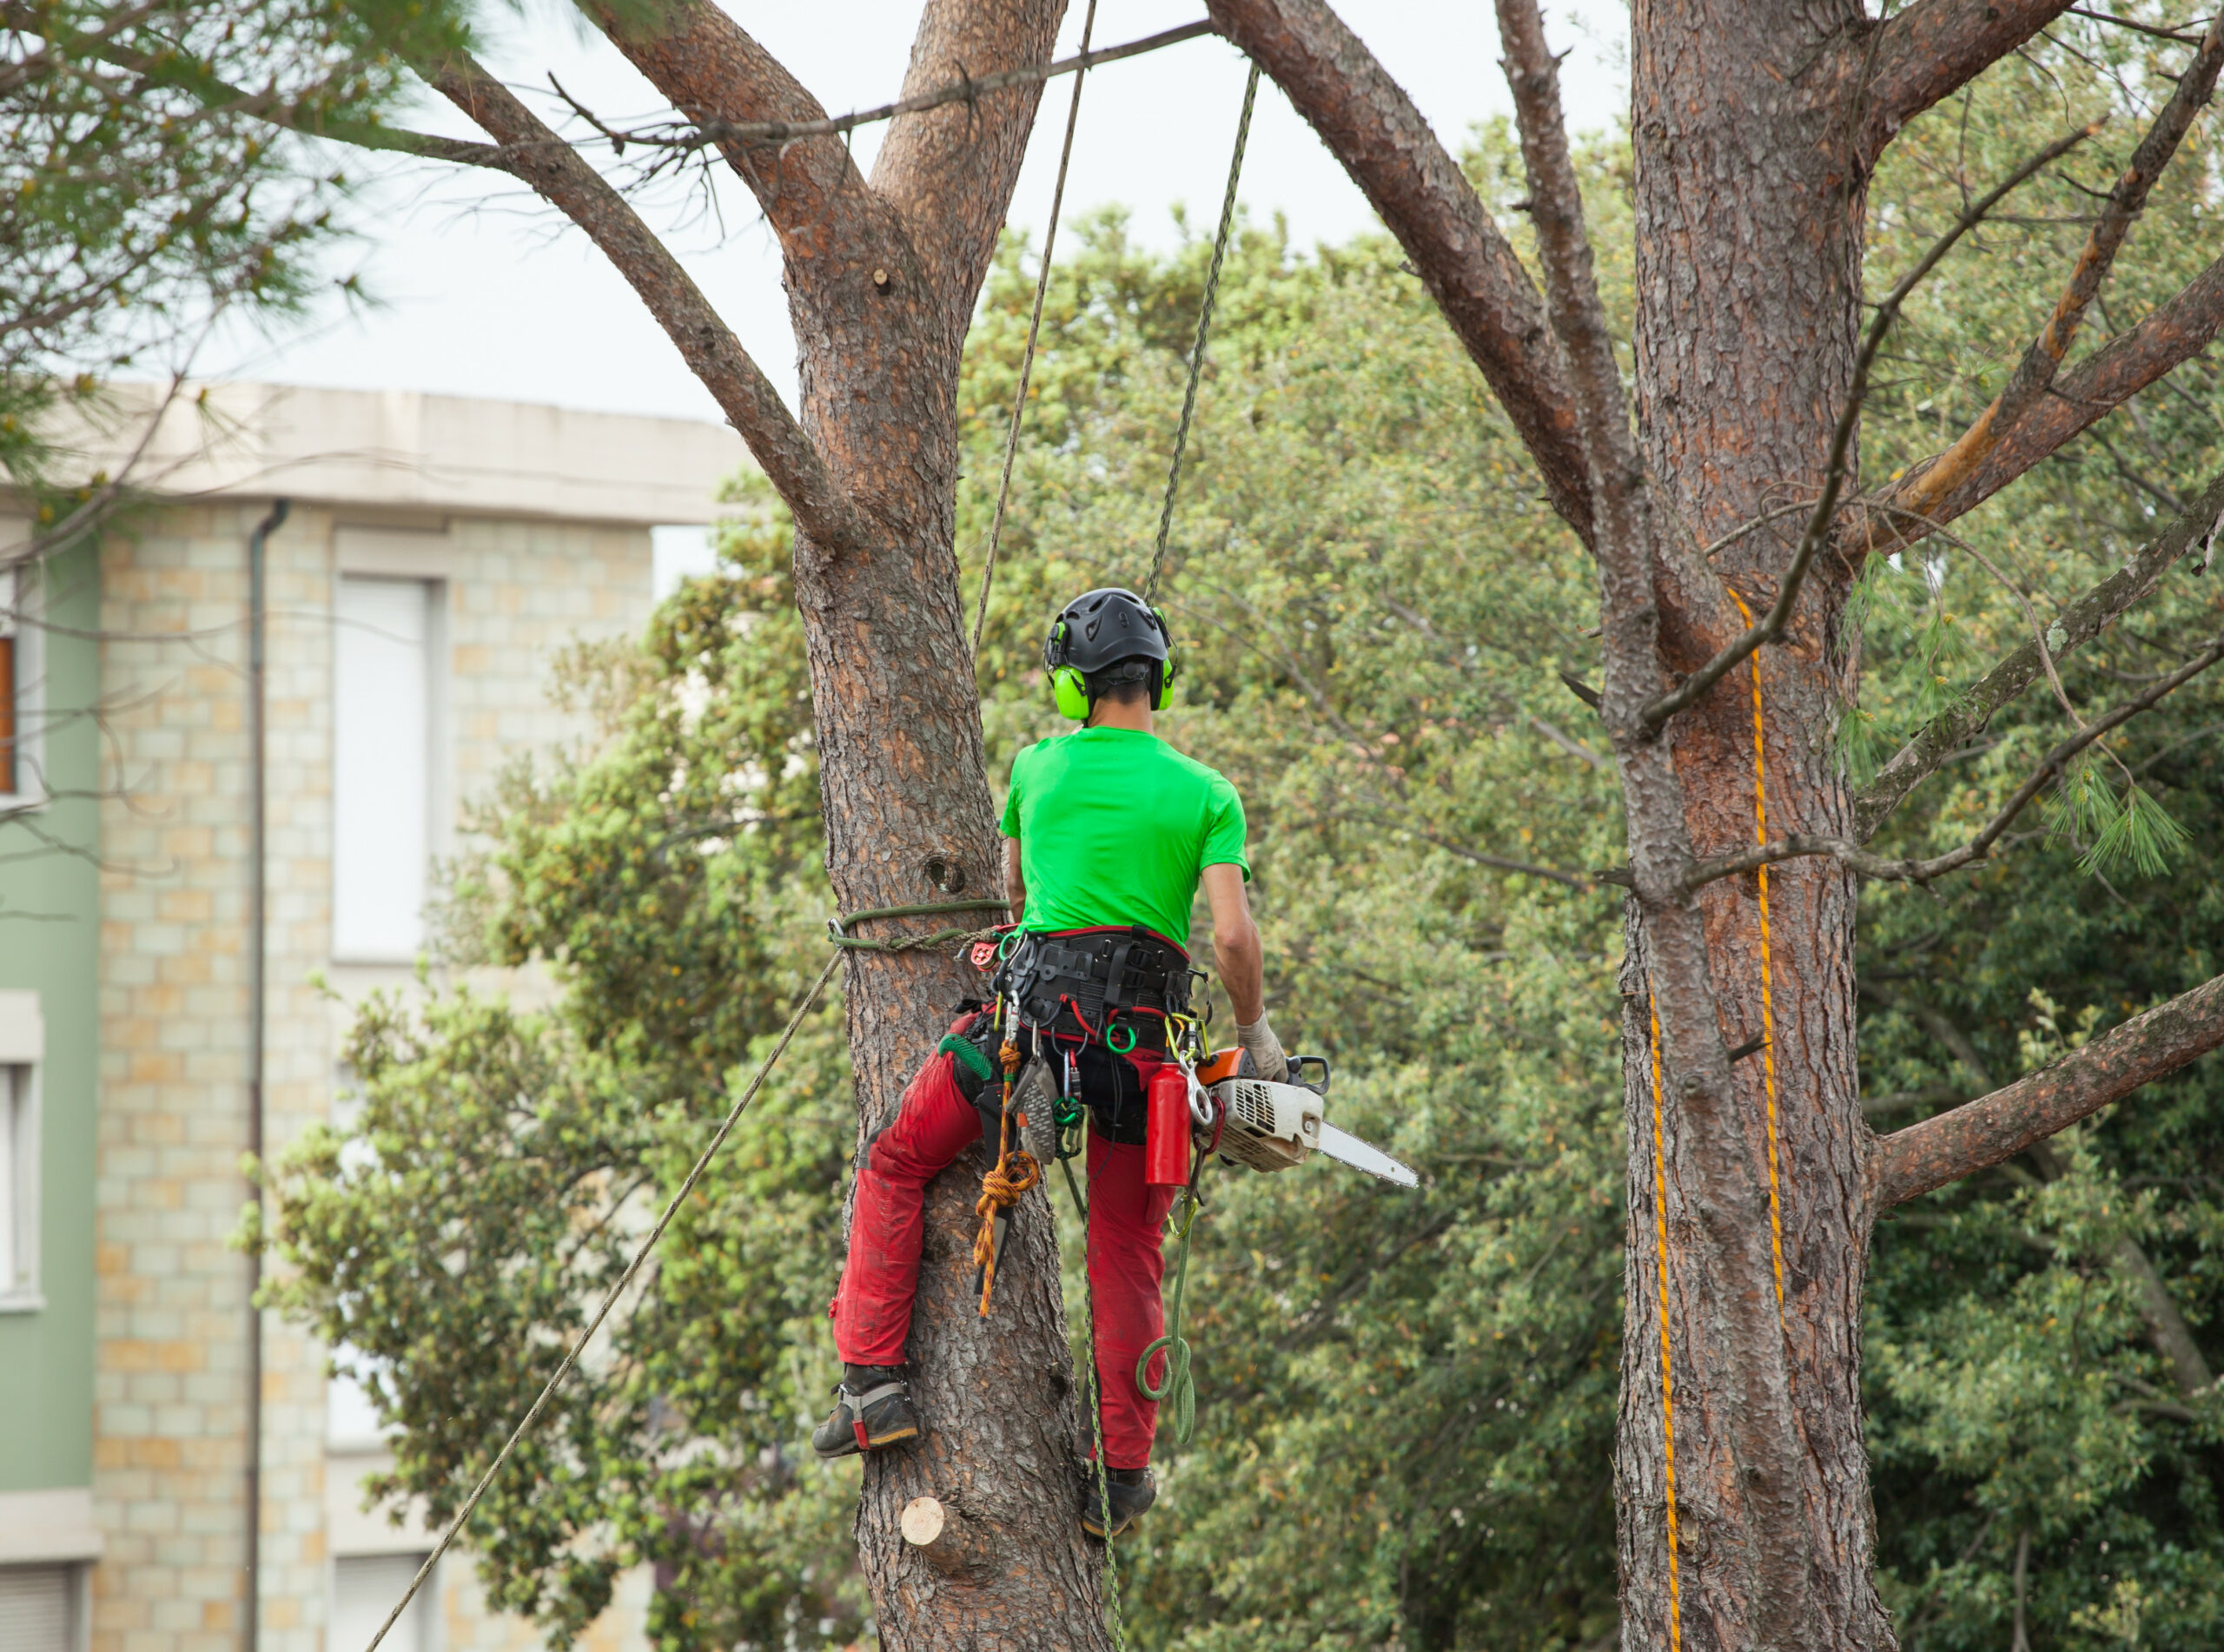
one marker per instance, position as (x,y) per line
(1852,854)
(2141,28)
(1945,734)
(698,134)
(2028,385)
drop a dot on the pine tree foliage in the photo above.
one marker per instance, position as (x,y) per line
(149,183)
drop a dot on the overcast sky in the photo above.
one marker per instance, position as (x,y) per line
(481,291)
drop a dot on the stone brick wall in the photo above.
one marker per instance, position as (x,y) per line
(169,1405)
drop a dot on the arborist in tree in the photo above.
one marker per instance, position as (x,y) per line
(1109,832)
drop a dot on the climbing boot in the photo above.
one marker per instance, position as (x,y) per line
(1130,1492)
(872,1409)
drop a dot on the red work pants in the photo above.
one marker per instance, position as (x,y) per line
(872,1310)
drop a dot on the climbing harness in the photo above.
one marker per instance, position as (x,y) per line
(1204,330)
(1034,328)
(625,1283)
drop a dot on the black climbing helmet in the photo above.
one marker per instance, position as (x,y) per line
(1102,630)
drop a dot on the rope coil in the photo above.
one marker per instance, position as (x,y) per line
(1178,1386)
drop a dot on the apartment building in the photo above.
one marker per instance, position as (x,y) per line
(433,555)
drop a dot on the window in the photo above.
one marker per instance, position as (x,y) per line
(23,1046)
(678,553)
(351,1421)
(364,1590)
(20,657)
(38,1608)
(18,1189)
(383,791)
(11,717)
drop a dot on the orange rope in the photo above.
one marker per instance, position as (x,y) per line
(1013,1174)
(1667,1372)
(1768,994)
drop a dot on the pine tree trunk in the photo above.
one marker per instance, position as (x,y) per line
(1748,282)
(904,781)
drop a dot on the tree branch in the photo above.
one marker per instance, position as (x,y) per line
(1931,50)
(1995,1127)
(715,74)
(194,78)
(2177,330)
(966,89)
(563,178)
(1390,152)
(2084,619)
(1922,492)
(1851,855)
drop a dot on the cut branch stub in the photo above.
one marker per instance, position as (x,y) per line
(961,1549)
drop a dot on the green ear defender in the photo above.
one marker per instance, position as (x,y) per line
(1072,692)
(1170,667)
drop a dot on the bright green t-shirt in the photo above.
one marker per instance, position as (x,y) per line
(1114,827)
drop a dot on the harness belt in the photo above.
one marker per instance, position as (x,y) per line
(1096,973)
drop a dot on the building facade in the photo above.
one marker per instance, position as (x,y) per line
(436,555)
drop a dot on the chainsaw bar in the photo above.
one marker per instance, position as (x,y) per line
(1346,1148)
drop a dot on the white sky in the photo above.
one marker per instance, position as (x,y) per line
(479,290)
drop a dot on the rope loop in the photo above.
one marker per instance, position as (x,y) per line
(1177,1388)
(837,929)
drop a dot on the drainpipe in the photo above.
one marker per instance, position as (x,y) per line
(256,925)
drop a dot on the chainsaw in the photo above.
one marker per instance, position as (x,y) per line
(1272,1127)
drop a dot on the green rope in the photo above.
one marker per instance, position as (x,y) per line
(837,928)
(1204,330)
(1096,1420)
(1180,1388)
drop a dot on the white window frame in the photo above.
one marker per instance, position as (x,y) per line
(425,1608)
(438,784)
(22,1039)
(21,594)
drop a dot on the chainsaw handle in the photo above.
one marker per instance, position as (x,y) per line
(1299,1063)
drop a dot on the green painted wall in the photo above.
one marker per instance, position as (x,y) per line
(50,941)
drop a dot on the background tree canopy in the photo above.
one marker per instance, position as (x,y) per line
(1406,1400)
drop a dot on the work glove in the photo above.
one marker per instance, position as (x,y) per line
(1258,1041)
